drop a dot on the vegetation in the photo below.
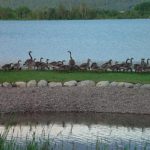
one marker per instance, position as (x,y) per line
(47,143)
(12,76)
(81,11)
(119,5)
(11,139)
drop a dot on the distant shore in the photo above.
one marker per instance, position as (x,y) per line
(75,99)
(80,11)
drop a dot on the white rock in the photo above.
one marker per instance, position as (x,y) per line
(7,84)
(114,84)
(20,84)
(0,85)
(55,84)
(70,83)
(32,83)
(138,85)
(86,83)
(121,84)
(42,83)
(128,85)
(102,84)
(145,86)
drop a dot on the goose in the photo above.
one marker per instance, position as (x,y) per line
(126,66)
(94,66)
(85,66)
(71,61)
(16,66)
(148,61)
(29,62)
(56,64)
(7,66)
(38,64)
(147,68)
(45,65)
(139,67)
(107,65)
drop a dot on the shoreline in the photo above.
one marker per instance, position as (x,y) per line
(131,120)
(75,99)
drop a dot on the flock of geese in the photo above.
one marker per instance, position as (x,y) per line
(31,63)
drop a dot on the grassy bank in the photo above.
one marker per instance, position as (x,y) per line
(12,76)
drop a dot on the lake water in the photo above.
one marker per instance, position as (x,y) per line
(81,131)
(99,40)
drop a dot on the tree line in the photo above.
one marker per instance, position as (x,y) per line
(78,12)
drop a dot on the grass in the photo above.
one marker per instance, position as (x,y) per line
(47,144)
(9,141)
(12,76)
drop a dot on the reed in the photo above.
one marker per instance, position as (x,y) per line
(46,143)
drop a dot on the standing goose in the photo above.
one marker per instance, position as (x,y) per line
(71,61)
(115,67)
(7,66)
(107,65)
(85,66)
(127,65)
(94,66)
(17,65)
(29,62)
(38,64)
(130,64)
(45,65)
(148,61)
(139,67)
(147,68)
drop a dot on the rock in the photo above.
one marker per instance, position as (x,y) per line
(55,84)
(138,85)
(128,85)
(32,83)
(121,84)
(42,83)
(20,84)
(114,84)
(0,85)
(7,84)
(86,83)
(145,86)
(70,83)
(102,84)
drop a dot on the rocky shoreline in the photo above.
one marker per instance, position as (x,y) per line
(73,96)
(44,83)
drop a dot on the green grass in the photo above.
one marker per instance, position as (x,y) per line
(46,144)
(12,76)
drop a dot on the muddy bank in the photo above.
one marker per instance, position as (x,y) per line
(75,99)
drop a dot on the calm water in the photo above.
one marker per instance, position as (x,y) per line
(81,130)
(99,40)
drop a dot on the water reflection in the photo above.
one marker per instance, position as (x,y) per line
(83,129)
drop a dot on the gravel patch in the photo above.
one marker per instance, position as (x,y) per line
(75,99)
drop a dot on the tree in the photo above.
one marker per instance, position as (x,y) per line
(143,8)
(23,12)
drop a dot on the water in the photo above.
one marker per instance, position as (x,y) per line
(82,130)
(99,40)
